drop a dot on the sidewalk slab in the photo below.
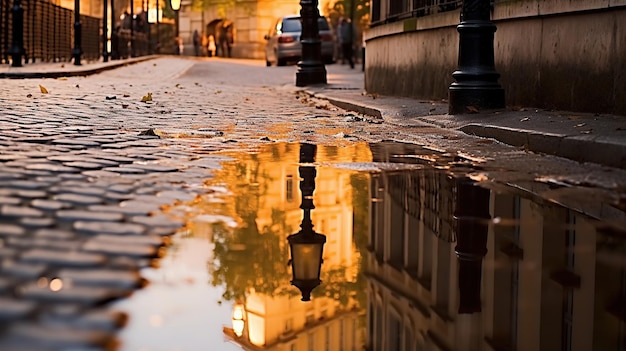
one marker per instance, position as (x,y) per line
(66,69)
(582,137)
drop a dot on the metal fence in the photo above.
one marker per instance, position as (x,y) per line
(385,11)
(48,32)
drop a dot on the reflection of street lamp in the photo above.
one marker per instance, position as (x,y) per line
(238,319)
(306,245)
(472,216)
(175,4)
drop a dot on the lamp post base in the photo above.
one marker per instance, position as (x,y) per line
(310,73)
(463,98)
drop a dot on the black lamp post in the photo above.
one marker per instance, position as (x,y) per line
(105,32)
(17,43)
(78,34)
(311,69)
(472,224)
(306,246)
(476,85)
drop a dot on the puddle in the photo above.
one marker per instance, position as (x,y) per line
(424,250)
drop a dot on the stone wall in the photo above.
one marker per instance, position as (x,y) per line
(557,54)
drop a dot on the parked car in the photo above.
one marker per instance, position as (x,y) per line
(283,41)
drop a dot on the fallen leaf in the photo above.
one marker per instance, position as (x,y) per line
(62,78)
(126,95)
(124,106)
(150,132)
(472,109)
(29,95)
(111,97)
(78,86)
(147,98)
(581,124)
(524,119)
(43,89)
(218,92)
(586,131)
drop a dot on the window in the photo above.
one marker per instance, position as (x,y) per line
(289,188)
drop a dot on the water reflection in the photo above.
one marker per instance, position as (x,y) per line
(250,260)
(443,276)
(417,257)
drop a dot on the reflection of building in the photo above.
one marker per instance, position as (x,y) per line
(549,281)
(283,322)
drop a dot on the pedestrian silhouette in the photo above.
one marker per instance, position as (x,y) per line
(347,40)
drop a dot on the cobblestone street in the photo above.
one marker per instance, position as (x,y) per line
(92,170)
(86,166)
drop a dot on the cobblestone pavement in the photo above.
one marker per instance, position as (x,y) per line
(87,168)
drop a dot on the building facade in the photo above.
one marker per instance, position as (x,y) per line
(556,54)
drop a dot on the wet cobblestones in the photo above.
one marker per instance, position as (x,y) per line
(85,179)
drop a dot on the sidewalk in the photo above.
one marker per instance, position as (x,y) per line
(583,137)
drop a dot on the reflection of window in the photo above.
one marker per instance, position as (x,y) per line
(288,325)
(311,342)
(289,188)
(310,318)
(327,347)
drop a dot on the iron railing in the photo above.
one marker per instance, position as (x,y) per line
(48,32)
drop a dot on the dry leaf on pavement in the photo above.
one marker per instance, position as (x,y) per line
(147,98)
(43,89)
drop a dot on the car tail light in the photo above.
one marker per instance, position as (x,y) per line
(285,39)
(326,37)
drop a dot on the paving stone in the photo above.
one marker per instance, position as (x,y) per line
(76,142)
(124,170)
(177,195)
(80,215)
(113,278)
(27,337)
(83,165)
(9,253)
(52,167)
(68,293)
(114,158)
(4,176)
(116,228)
(160,220)
(54,234)
(100,174)
(6,284)
(153,240)
(78,199)
(12,310)
(27,184)
(11,230)
(23,270)
(154,167)
(63,258)
(9,211)
(118,197)
(78,189)
(141,207)
(110,248)
(43,243)
(113,208)
(36,223)
(121,188)
(49,205)
(31,194)
(7,200)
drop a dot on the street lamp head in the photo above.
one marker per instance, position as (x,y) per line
(306,247)
(175,4)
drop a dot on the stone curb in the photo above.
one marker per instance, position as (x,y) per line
(78,72)
(592,149)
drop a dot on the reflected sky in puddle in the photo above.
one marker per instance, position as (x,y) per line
(417,257)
